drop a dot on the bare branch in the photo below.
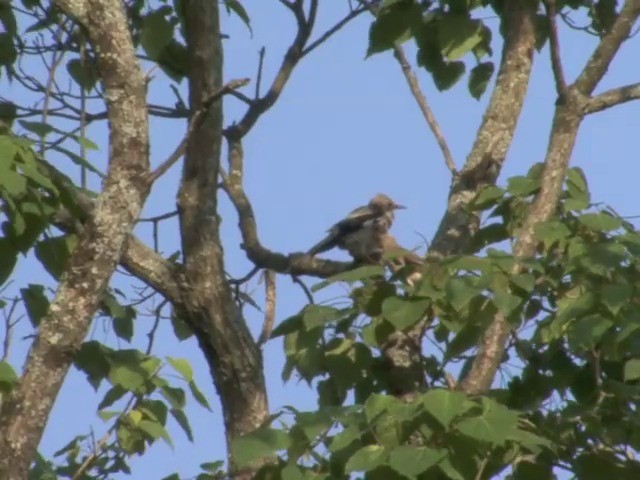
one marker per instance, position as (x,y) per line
(259,75)
(554,48)
(326,35)
(602,56)
(270,307)
(291,59)
(194,123)
(296,264)
(615,96)
(421,100)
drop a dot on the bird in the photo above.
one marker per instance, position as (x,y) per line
(360,232)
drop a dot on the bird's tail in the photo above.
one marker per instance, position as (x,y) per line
(327,243)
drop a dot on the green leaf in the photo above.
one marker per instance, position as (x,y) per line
(36,303)
(575,304)
(156,34)
(83,73)
(122,317)
(10,180)
(460,290)
(404,312)
(458,35)
(292,472)
(54,253)
(155,430)
(615,296)
(319,315)
(367,458)
(8,259)
(129,376)
(183,367)
(412,461)
(8,377)
(114,394)
(632,370)
(446,405)
(212,466)
(183,421)
(487,197)
(175,396)
(199,396)
(181,328)
(393,26)
(551,232)
(351,276)
(258,444)
(345,438)
(522,186)
(479,78)
(446,75)
(601,222)
(93,359)
(236,7)
(77,159)
(506,302)
(494,425)
(585,333)
(39,128)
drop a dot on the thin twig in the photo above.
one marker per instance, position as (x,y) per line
(554,48)
(152,333)
(326,35)
(270,306)
(246,278)
(259,75)
(193,124)
(421,100)
(304,288)
(159,218)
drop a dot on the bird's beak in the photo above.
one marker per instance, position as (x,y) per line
(399,207)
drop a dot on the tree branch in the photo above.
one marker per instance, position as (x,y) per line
(554,48)
(421,100)
(567,119)
(24,413)
(610,98)
(602,56)
(194,123)
(295,264)
(291,59)
(326,35)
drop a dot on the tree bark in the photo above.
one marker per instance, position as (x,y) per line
(234,359)
(24,414)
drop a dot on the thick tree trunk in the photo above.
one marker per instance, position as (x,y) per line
(234,358)
(24,414)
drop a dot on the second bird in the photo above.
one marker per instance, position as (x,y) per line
(360,233)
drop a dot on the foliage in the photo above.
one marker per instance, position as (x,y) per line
(572,396)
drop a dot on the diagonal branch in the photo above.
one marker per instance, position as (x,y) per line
(326,35)
(566,123)
(554,48)
(421,100)
(194,123)
(295,264)
(291,59)
(615,96)
(602,56)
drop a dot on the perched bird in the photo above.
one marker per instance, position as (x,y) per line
(401,261)
(360,233)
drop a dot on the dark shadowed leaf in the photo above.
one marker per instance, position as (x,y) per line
(479,78)
(393,26)
(404,312)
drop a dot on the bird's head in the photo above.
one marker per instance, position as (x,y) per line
(383,204)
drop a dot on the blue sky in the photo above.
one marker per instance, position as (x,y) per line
(344,129)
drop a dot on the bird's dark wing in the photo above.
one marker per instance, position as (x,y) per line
(353,222)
